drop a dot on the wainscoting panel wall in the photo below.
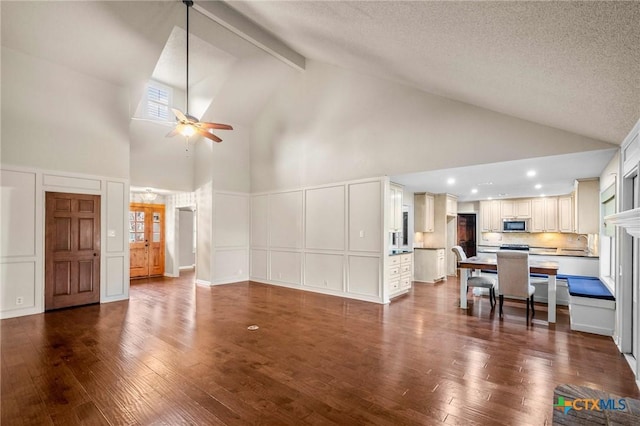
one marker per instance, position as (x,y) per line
(326,239)
(324,219)
(259,221)
(285,220)
(324,271)
(230,237)
(22,244)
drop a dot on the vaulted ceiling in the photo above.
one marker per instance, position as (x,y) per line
(569,65)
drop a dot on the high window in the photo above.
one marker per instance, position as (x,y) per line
(158,100)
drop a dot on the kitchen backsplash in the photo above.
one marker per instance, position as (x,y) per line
(543,239)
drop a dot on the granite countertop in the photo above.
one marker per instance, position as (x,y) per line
(399,251)
(545,251)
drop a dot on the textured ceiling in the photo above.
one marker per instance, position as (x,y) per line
(569,65)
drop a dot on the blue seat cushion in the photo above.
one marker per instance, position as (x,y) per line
(590,287)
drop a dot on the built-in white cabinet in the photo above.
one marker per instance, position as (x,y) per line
(544,215)
(451,206)
(400,273)
(587,206)
(490,216)
(429,265)
(394,207)
(515,209)
(423,205)
(565,214)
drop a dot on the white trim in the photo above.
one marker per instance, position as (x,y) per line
(203,282)
(187,268)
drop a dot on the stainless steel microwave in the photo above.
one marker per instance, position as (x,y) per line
(520,225)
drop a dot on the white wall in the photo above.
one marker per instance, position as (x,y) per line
(326,239)
(329,124)
(22,244)
(54,118)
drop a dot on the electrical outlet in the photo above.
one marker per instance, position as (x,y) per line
(325,283)
(239,271)
(361,234)
(279,274)
(19,300)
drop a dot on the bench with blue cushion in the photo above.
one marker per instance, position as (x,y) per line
(590,287)
(591,305)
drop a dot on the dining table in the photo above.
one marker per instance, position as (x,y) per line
(547,268)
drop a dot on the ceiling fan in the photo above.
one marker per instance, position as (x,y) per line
(188,125)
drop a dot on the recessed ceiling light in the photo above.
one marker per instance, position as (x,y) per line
(542,195)
(538,186)
(489,198)
(502,194)
(474,191)
(451,181)
(531,173)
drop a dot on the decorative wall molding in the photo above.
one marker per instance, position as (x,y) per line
(628,220)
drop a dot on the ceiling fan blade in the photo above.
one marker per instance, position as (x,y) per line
(179,115)
(218,126)
(208,135)
(173,132)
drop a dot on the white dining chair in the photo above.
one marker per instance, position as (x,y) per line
(513,274)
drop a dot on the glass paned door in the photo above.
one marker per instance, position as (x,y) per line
(146,239)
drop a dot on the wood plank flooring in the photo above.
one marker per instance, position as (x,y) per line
(177,353)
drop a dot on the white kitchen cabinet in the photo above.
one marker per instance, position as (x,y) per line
(515,209)
(400,274)
(490,216)
(587,206)
(565,214)
(394,208)
(451,205)
(544,215)
(429,265)
(424,212)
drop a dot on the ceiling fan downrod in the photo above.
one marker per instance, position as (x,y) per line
(189,4)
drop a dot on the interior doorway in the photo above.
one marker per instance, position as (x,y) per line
(186,238)
(72,250)
(146,240)
(467,233)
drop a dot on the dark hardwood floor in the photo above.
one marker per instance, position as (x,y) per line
(177,353)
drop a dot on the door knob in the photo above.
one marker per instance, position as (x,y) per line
(95,254)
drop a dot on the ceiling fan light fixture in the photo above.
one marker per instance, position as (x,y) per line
(188,125)
(188,130)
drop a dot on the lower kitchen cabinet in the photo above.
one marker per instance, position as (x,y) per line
(429,265)
(400,273)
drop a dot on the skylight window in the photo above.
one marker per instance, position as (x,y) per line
(158,101)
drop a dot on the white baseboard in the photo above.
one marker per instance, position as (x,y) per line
(187,268)
(354,296)
(203,282)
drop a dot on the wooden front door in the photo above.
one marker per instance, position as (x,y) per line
(146,240)
(72,250)
(467,233)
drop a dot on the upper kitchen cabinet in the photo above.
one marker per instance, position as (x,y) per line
(544,215)
(565,214)
(424,212)
(394,207)
(452,205)
(490,216)
(515,209)
(587,208)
